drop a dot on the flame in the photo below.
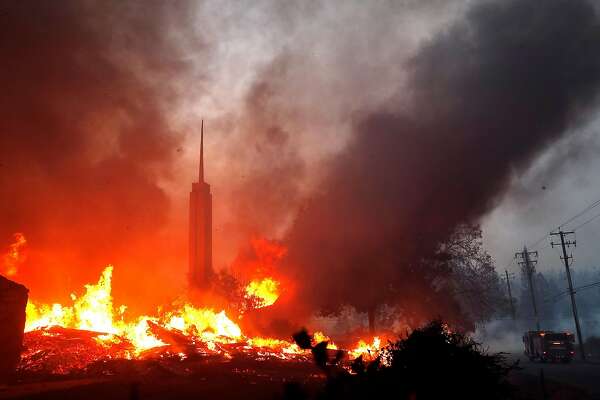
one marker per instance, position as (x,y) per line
(94,311)
(15,256)
(365,349)
(319,337)
(266,291)
(48,315)
(210,326)
(179,329)
(137,333)
(274,346)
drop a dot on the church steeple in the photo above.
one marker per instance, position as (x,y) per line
(200,228)
(201,167)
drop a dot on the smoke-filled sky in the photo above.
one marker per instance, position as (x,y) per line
(439,112)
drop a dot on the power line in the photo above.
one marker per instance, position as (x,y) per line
(586,222)
(579,214)
(589,286)
(534,245)
(569,220)
(566,292)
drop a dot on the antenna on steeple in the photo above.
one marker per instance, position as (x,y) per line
(201,168)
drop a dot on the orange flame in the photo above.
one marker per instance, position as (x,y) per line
(366,350)
(266,291)
(94,311)
(319,337)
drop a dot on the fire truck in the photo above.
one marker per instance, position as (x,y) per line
(549,346)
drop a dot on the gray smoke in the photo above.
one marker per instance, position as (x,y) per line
(481,99)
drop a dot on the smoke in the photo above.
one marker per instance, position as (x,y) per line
(480,100)
(265,170)
(301,72)
(87,88)
(502,336)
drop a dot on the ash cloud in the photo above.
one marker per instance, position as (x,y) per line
(480,101)
(86,91)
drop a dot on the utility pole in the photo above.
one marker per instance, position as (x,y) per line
(528,265)
(564,244)
(510,298)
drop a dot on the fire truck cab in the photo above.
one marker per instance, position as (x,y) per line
(549,346)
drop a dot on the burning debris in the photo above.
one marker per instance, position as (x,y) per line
(70,339)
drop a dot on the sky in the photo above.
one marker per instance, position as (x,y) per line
(562,182)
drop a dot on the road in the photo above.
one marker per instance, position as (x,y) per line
(585,375)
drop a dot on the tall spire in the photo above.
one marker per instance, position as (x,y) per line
(201,168)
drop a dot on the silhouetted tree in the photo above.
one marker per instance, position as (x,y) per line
(431,363)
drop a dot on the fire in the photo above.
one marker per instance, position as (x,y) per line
(265,291)
(180,331)
(256,268)
(48,315)
(210,326)
(137,333)
(94,311)
(319,337)
(365,349)
(15,256)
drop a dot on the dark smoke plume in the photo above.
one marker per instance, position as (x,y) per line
(481,100)
(85,90)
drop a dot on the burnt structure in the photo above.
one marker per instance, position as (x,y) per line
(13,300)
(200,225)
